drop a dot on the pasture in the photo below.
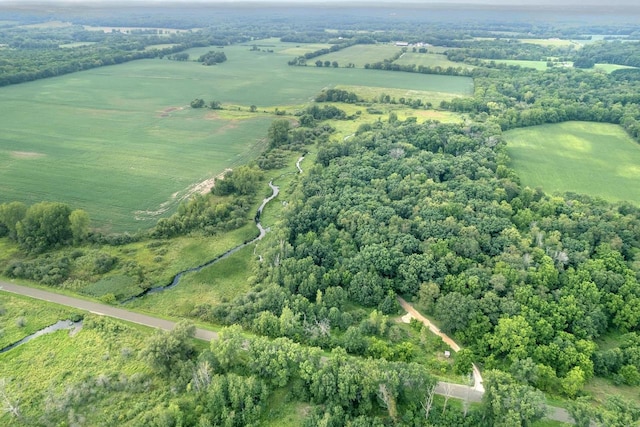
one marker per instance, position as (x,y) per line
(359,55)
(597,159)
(122,142)
(542,65)
(429,60)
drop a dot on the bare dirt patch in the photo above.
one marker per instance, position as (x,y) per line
(198,188)
(26,155)
(166,112)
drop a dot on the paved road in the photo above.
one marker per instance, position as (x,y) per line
(456,391)
(102,309)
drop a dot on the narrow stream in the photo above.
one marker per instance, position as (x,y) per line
(61,324)
(176,279)
(275,190)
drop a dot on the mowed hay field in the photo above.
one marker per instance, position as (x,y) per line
(429,60)
(122,142)
(359,55)
(597,159)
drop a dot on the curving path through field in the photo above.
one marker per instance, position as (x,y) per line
(413,313)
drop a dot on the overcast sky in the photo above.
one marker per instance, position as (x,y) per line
(504,2)
(618,5)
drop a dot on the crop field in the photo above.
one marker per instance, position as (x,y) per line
(359,55)
(590,158)
(122,142)
(429,60)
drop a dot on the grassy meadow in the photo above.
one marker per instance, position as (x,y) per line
(22,316)
(122,142)
(542,65)
(591,158)
(429,60)
(94,357)
(221,282)
(359,55)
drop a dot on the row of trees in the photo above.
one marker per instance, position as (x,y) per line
(201,103)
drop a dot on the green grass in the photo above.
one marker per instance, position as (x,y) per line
(542,65)
(538,65)
(434,96)
(50,364)
(552,42)
(36,315)
(611,67)
(359,55)
(122,143)
(220,282)
(429,60)
(591,158)
(76,44)
(601,388)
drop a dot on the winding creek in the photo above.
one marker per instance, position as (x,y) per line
(275,190)
(59,325)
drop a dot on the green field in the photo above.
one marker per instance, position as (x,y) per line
(122,143)
(429,60)
(360,54)
(538,65)
(591,158)
(542,65)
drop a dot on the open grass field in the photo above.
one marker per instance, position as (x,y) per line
(552,42)
(590,158)
(122,143)
(76,44)
(542,65)
(611,67)
(538,65)
(359,55)
(218,283)
(429,60)
(66,362)
(370,93)
(22,316)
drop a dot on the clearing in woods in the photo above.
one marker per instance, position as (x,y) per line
(597,159)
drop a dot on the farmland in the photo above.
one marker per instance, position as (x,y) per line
(483,201)
(122,143)
(591,158)
(360,55)
(429,60)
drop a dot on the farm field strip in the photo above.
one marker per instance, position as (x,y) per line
(121,140)
(429,60)
(359,55)
(597,159)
